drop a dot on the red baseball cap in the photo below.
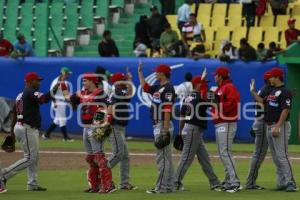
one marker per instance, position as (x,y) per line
(118,77)
(267,75)
(32,76)
(91,77)
(198,80)
(163,68)
(291,21)
(222,71)
(277,72)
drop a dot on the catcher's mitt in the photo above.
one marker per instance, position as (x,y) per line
(8,144)
(100,133)
(162,140)
(178,142)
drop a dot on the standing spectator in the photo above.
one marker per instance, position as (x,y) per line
(22,47)
(5,46)
(140,49)
(249,11)
(279,7)
(141,31)
(228,51)
(167,7)
(273,50)
(168,39)
(291,34)
(107,47)
(246,52)
(261,52)
(193,31)
(183,14)
(155,26)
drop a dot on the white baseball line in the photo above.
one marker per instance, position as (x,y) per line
(145,154)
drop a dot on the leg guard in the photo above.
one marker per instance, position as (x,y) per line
(105,172)
(93,176)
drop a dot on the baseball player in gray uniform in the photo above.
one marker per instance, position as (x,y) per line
(161,111)
(192,126)
(26,124)
(118,118)
(261,143)
(277,106)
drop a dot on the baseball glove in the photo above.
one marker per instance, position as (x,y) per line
(9,144)
(162,140)
(178,142)
(100,133)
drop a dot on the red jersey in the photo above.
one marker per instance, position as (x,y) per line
(5,47)
(229,99)
(290,35)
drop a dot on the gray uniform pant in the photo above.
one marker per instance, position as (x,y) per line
(225,133)
(29,140)
(120,153)
(164,163)
(194,145)
(279,150)
(260,152)
(91,145)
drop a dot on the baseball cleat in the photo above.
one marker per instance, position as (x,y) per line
(254,187)
(128,187)
(37,189)
(232,189)
(291,187)
(91,190)
(110,190)
(217,187)
(44,137)
(180,187)
(2,187)
(152,191)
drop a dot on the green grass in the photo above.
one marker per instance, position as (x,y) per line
(64,185)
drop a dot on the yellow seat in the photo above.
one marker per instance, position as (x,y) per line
(218,21)
(220,9)
(237,34)
(210,34)
(254,43)
(255,34)
(271,34)
(205,9)
(172,19)
(267,21)
(235,21)
(193,8)
(281,21)
(223,33)
(235,9)
(204,19)
(296,10)
(297,24)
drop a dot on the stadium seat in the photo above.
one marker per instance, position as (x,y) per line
(56,17)
(25,18)
(296,10)
(41,28)
(71,21)
(297,24)
(219,9)
(86,13)
(218,21)
(205,9)
(235,21)
(102,8)
(210,34)
(118,3)
(1,12)
(266,21)
(255,34)
(237,34)
(271,34)
(223,33)
(235,9)
(281,21)
(205,20)
(11,19)
(172,19)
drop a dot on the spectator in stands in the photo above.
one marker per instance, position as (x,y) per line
(5,46)
(193,31)
(168,40)
(167,7)
(107,47)
(279,7)
(22,47)
(246,51)
(228,52)
(199,52)
(291,34)
(183,14)
(155,26)
(273,51)
(249,11)
(156,53)
(261,52)
(141,31)
(140,49)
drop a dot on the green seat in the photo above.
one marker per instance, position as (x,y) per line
(26,20)
(86,13)
(102,8)
(72,21)
(1,12)
(11,20)
(118,3)
(56,14)
(41,28)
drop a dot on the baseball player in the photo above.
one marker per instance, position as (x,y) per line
(225,119)
(92,99)
(185,88)
(26,124)
(259,132)
(59,106)
(118,111)
(104,76)
(163,98)
(278,128)
(192,126)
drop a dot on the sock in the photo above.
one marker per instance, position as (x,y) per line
(51,128)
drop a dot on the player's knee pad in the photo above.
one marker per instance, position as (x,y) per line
(93,178)
(90,159)
(101,160)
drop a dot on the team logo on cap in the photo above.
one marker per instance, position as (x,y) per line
(169,96)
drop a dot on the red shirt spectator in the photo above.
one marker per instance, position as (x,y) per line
(5,46)
(291,34)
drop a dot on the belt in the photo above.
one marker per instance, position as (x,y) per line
(270,123)
(24,124)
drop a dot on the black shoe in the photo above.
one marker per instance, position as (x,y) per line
(37,189)
(232,189)
(254,187)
